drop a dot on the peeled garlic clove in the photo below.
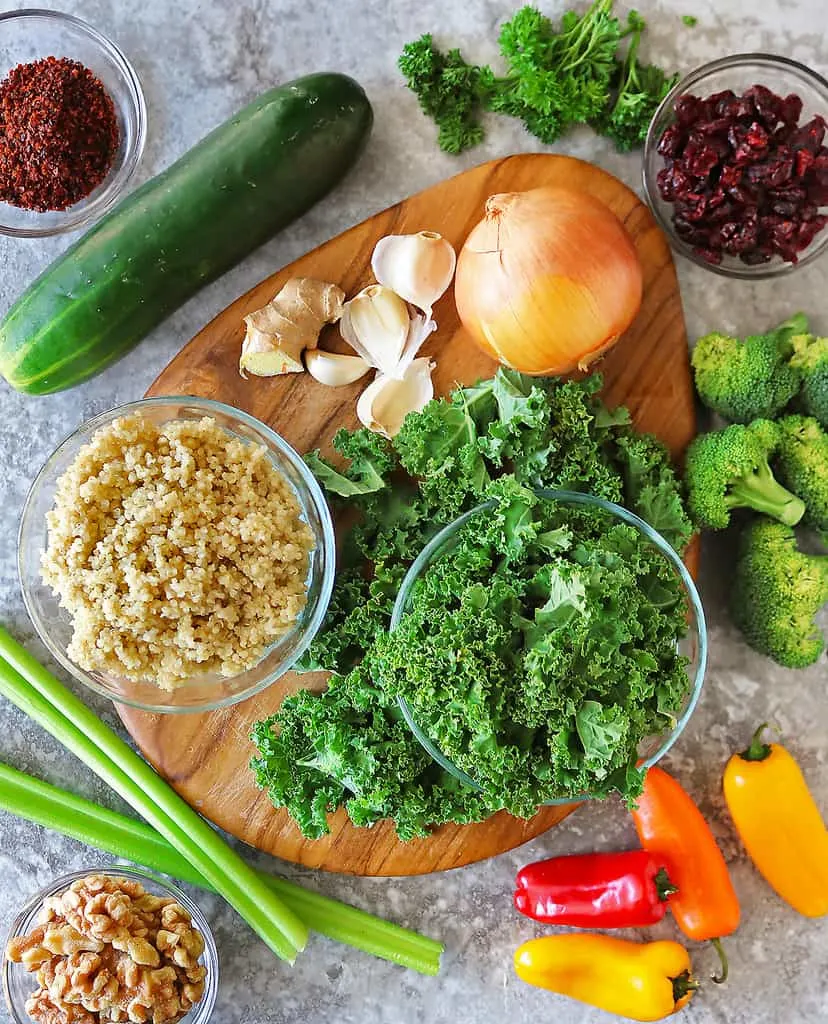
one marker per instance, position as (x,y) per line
(385,403)
(375,323)
(419,268)
(334,369)
(418,333)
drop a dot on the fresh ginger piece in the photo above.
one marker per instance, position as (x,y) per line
(278,333)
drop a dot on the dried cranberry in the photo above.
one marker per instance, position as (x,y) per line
(731,175)
(791,109)
(718,126)
(773,172)
(721,102)
(818,194)
(692,205)
(803,162)
(810,135)
(671,141)
(768,105)
(740,236)
(700,155)
(755,257)
(688,109)
(709,255)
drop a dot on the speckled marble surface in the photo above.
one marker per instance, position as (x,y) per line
(198,62)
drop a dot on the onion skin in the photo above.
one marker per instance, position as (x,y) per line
(548,280)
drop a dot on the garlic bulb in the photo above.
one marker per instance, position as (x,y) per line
(334,369)
(385,403)
(376,324)
(419,268)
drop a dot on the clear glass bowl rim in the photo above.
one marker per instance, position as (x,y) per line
(202,1012)
(327,540)
(133,156)
(572,498)
(759,60)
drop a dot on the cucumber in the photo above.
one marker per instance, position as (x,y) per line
(244,182)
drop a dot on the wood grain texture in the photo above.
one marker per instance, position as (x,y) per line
(205,756)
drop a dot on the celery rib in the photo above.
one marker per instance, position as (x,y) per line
(61,811)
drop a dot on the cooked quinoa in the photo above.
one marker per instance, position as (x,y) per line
(177,549)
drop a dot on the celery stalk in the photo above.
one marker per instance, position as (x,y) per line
(35,691)
(123,837)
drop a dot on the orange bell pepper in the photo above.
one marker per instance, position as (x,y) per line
(672,828)
(640,981)
(779,824)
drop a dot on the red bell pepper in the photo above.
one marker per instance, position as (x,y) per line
(605,890)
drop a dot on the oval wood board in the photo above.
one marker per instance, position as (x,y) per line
(205,756)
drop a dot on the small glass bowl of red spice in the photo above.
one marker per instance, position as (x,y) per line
(736,166)
(72,123)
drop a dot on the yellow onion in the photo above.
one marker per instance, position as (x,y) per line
(548,280)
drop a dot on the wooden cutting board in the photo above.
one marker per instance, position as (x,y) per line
(205,756)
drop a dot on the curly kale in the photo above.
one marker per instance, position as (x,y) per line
(539,673)
(349,746)
(555,78)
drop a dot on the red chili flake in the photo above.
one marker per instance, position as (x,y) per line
(744,177)
(58,134)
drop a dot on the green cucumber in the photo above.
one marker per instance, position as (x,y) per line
(244,182)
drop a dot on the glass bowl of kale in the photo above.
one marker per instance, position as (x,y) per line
(546,647)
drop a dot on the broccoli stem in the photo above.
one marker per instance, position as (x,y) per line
(762,492)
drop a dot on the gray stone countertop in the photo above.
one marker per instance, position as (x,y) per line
(199,62)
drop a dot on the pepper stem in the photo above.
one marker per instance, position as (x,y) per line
(722,976)
(664,885)
(682,984)
(758,749)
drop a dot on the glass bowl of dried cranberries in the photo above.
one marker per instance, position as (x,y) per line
(736,165)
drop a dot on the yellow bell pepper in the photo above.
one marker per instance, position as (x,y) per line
(779,824)
(640,981)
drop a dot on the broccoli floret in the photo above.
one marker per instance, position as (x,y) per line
(743,380)
(810,358)
(777,593)
(802,465)
(729,469)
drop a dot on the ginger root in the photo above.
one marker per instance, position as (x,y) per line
(278,333)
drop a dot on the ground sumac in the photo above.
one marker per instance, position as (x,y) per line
(744,177)
(58,134)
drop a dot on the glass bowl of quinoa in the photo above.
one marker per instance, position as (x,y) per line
(175,554)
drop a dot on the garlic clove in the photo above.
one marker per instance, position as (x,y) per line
(419,268)
(375,323)
(384,404)
(419,331)
(334,369)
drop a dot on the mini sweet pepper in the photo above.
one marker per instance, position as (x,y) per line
(779,823)
(595,890)
(640,981)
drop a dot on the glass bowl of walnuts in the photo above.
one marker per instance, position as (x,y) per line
(110,944)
